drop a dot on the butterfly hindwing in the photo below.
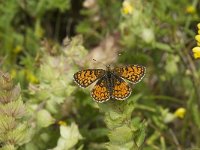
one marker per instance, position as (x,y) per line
(84,78)
(120,90)
(100,91)
(133,73)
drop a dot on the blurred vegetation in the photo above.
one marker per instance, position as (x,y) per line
(43,43)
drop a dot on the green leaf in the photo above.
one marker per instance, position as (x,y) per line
(121,135)
(140,135)
(125,146)
(163,47)
(44,118)
(69,137)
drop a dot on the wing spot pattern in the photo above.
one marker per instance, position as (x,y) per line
(100,91)
(121,89)
(86,77)
(132,73)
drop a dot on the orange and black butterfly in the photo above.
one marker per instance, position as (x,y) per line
(110,82)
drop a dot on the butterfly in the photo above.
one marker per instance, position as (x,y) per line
(110,82)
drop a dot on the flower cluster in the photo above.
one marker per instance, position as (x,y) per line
(127,8)
(196,49)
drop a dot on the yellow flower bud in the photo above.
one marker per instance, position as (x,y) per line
(180,112)
(191,9)
(62,123)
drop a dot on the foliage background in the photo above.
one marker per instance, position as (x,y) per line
(43,43)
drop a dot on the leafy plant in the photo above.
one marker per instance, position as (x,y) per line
(14,128)
(161,113)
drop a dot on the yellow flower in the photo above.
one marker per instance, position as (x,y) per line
(17,49)
(197,37)
(198,25)
(62,123)
(180,112)
(190,9)
(127,8)
(31,77)
(196,52)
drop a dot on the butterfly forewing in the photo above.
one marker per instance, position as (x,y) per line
(84,78)
(120,90)
(100,92)
(133,73)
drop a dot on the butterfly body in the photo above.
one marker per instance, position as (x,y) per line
(110,82)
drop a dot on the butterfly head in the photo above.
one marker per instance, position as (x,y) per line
(108,67)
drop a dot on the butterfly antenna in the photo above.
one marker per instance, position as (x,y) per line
(107,66)
(101,63)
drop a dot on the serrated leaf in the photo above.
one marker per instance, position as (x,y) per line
(14,108)
(17,135)
(7,96)
(6,123)
(20,134)
(11,95)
